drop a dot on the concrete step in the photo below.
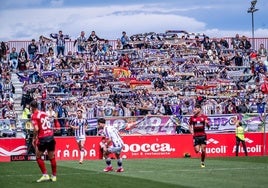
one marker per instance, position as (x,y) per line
(17,96)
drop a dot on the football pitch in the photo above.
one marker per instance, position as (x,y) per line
(155,173)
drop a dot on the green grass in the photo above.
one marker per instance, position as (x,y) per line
(155,173)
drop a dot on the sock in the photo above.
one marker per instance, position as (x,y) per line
(119,162)
(82,153)
(41,165)
(53,166)
(203,156)
(108,161)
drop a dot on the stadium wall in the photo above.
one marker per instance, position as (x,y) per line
(138,147)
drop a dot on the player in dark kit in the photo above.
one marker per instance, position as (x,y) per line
(197,124)
(43,140)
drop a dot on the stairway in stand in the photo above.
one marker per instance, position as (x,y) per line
(18,94)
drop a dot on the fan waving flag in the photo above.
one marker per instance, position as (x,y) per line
(121,72)
(135,83)
(205,87)
(22,78)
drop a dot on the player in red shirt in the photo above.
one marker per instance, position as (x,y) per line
(43,140)
(197,124)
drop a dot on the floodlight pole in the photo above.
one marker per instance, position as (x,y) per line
(251,10)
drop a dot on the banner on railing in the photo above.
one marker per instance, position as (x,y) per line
(143,125)
(154,124)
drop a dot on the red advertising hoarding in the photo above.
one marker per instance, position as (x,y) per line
(11,146)
(157,146)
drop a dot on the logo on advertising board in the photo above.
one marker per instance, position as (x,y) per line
(67,149)
(247,140)
(214,147)
(212,140)
(19,150)
(14,146)
(251,147)
(148,149)
(70,152)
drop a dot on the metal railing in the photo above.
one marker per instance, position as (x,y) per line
(69,45)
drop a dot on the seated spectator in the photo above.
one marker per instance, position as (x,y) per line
(262,52)
(14,59)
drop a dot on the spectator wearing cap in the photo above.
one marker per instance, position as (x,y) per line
(32,49)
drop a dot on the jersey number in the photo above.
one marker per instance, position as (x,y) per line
(46,124)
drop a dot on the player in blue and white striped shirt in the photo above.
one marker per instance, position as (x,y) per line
(113,144)
(79,125)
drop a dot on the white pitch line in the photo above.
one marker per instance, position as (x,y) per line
(144,171)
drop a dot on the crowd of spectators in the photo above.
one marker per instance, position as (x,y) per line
(144,74)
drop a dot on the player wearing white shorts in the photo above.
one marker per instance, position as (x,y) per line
(113,144)
(79,125)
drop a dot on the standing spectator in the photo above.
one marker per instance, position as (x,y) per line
(44,44)
(23,59)
(93,40)
(240,137)
(206,43)
(238,59)
(100,109)
(119,45)
(236,41)
(3,50)
(79,125)
(62,115)
(197,124)
(113,144)
(118,110)
(81,42)
(125,41)
(32,49)
(224,44)
(60,42)
(26,113)
(253,108)
(230,108)
(244,43)
(52,115)
(242,108)
(167,107)
(106,46)
(43,140)
(260,106)
(13,58)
